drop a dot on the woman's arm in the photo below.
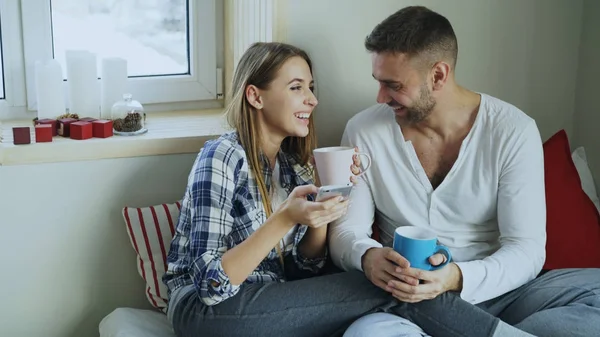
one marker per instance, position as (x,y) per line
(242,259)
(313,244)
(206,220)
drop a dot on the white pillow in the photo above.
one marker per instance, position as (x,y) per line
(587,181)
(129,322)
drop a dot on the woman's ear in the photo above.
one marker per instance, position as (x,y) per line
(253,96)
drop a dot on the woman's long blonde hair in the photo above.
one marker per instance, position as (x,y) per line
(259,66)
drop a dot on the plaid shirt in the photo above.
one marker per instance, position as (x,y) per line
(221,208)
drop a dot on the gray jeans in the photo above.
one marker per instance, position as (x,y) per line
(564,302)
(322,306)
(559,303)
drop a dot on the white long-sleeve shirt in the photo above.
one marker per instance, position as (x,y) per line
(490,210)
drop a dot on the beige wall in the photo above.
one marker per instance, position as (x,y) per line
(65,255)
(524,52)
(587,118)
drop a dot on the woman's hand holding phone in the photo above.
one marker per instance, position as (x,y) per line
(315,214)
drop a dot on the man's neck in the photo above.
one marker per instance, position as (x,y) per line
(452,116)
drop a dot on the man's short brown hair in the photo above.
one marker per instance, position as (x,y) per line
(415,31)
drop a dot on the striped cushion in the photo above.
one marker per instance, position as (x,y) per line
(150,230)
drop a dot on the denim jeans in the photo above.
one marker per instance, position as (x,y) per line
(322,306)
(564,302)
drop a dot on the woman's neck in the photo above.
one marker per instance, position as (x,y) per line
(270,141)
(270,148)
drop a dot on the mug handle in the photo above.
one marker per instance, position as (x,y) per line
(445,251)
(365,167)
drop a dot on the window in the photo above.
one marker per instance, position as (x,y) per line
(173,47)
(1,69)
(12,71)
(153,36)
(170,45)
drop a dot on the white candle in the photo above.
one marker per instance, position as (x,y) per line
(113,83)
(82,79)
(49,89)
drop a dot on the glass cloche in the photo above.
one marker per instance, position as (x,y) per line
(128,117)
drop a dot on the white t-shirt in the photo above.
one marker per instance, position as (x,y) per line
(489,211)
(278,196)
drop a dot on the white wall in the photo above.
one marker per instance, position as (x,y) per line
(64,252)
(524,52)
(587,118)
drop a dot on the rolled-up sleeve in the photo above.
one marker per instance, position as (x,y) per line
(305,264)
(209,206)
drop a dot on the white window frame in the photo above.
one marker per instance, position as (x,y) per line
(200,85)
(12,52)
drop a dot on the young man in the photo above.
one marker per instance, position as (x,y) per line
(467,166)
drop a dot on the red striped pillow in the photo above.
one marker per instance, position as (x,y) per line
(150,230)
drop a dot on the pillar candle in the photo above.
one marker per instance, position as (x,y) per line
(82,79)
(49,89)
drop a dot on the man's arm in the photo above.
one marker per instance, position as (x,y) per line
(522,223)
(350,236)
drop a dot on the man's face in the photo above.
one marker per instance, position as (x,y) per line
(403,87)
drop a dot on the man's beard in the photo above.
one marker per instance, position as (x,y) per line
(419,111)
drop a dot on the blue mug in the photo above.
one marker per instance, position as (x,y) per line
(417,244)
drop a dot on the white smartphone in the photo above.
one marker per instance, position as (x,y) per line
(329,191)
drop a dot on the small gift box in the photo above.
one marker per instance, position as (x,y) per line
(103,128)
(87,119)
(81,130)
(21,135)
(64,126)
(43,133)
(49,122)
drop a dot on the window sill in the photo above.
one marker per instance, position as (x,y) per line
(168,133)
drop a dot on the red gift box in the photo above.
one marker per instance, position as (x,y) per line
(64,126)
(81,130)
(21,135)
(87,119)
(43,133)
(103,128)
(50,122)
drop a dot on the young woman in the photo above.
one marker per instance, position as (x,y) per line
(250,236)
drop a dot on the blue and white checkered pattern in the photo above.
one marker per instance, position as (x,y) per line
(221,208)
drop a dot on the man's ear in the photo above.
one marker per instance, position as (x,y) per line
(253,96)
(440,73)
